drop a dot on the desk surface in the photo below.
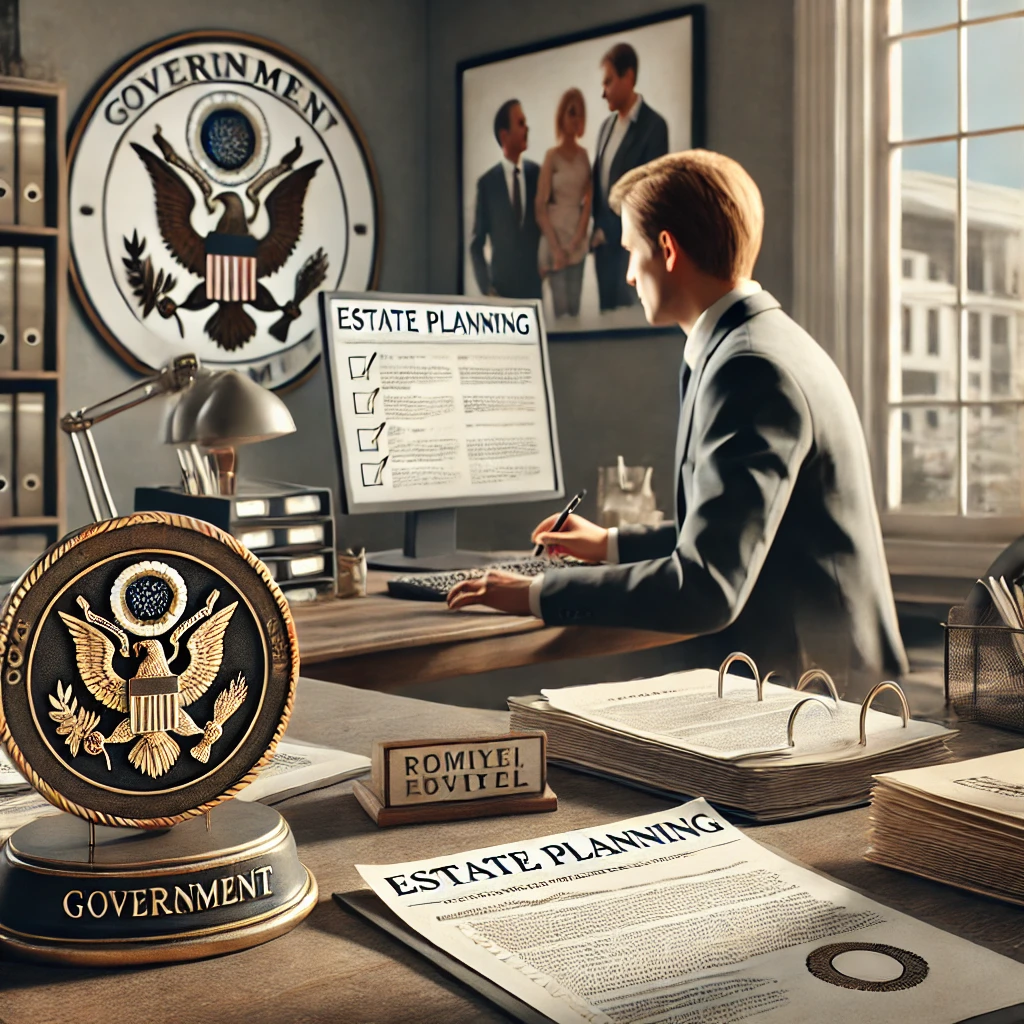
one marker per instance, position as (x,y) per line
(336,967)
(377,640)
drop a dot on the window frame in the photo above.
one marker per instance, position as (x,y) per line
(845,255)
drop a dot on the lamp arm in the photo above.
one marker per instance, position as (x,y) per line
(176,376)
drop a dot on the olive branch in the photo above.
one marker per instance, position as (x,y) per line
(73,722)
(148,287)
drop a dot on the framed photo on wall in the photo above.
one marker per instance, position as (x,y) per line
(544,133)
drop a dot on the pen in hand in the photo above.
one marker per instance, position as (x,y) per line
(560,521)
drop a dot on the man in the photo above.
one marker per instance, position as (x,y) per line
(632,136)
(505,212)
(776,548)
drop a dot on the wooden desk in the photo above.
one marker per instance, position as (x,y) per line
(336,967)
(380,641)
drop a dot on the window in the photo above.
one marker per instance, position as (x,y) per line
(908,268)
(908,341)
(933,332)
(973,335)
(956,199)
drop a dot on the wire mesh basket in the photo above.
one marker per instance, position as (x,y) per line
(984,670)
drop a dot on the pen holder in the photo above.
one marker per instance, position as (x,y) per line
(984,670)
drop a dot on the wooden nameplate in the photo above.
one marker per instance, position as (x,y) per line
(451,780)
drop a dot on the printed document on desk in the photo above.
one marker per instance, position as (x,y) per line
(678,916)
(683,709)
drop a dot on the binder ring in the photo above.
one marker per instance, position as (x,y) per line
(747,660)
(888,684)
(819,673)
(796,710)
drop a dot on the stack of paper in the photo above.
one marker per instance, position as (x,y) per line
(678,916)
(961,823)
(296,767)
(676,735)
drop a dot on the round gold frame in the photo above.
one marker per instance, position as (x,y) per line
(13,646)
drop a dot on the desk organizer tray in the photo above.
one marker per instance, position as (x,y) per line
(984,669)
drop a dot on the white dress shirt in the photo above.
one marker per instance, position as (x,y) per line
(619,129)
(510,173)
(700,334)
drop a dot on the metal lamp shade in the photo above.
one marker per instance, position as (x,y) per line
(225,409)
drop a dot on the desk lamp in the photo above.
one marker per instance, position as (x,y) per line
(220,411)
(175,376)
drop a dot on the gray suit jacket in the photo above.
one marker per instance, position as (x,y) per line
(776,549)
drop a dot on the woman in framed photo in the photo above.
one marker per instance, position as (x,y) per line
(564,194)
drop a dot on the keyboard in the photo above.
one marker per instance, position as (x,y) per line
(435,586)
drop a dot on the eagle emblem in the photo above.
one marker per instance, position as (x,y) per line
(230,260)
(155,697)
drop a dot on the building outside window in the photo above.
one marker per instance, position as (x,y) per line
(956,198)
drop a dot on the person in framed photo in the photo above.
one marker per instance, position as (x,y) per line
(634,135)
(506,214)
(564,195)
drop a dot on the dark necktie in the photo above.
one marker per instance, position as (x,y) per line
(517,198)
(684,379)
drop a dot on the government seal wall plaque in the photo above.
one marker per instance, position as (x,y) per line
(147,671)
(217,182)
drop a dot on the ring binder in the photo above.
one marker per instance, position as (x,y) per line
(31,165)
(888,684)
(747,660)
(7,165)
(813,699)
(818,673)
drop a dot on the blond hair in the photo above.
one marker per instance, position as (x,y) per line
(706,201)
(569,97)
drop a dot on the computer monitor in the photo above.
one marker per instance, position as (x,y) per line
(439,402)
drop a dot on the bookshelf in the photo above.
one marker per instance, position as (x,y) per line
(33,315)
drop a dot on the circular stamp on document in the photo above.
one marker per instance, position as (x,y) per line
(913,968)
(217,182)
(147,670)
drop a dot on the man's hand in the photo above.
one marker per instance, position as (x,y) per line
(505,591)
(597,238)
(578,537)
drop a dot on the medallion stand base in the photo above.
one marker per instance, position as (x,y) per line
(208,886)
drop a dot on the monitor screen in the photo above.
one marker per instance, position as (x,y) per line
(439,402)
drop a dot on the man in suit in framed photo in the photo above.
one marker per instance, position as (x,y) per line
(775,548)
(505,199)
(633,135)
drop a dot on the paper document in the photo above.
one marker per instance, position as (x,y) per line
(683,709)
(10,778)
(299,767)
(296,767)
(677,916)
(960,823)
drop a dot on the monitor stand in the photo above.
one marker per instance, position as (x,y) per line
(429,546)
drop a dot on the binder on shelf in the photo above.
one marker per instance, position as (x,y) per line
(7,176)
(31,309)
(31,122)
(255,501)
(292,568)
(260,537)
(6,456)
(30,442)
(8,341)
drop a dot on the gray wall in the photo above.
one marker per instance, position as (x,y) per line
(376,56)
(621,396)
(393,61)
